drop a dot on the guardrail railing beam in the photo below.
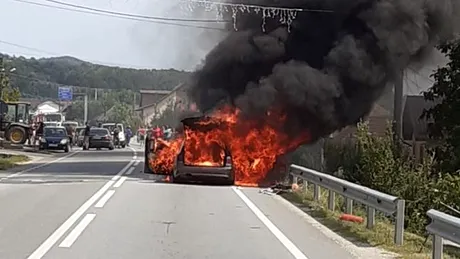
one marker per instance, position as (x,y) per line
(372,199)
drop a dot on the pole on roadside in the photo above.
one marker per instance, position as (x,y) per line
(85,116)
(398,105)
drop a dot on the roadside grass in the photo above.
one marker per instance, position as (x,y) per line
(8,161)
(414,247)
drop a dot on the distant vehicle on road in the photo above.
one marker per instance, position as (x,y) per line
(121,135)
(100,138)
(14,121)
(51,124)
(55,138)
(55,117)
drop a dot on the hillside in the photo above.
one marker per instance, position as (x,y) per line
(42,77)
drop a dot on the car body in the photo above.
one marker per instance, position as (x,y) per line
(183,171)
(100,138)
(121,135)
(80,133)
(51,124)
(55,138)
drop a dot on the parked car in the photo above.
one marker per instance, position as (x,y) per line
(80,133)
(55,138)
(100,138)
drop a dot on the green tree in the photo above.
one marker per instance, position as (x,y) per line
(124,113)
(7,92)
(445,92)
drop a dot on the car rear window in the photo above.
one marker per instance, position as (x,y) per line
(99,132)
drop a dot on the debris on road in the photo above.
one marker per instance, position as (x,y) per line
(280,188)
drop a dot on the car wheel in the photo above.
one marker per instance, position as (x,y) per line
(66,149)
(111,148)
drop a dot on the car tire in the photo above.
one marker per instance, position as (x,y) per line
(123,145)
(67,149)
(111,148)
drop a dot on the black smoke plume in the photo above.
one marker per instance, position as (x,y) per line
(326,71)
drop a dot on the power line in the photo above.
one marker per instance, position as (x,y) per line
(132,15)
(261,7)
(121,16)
(60,55)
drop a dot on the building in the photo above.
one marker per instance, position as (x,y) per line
(154,103)
(378,120)
(147,103)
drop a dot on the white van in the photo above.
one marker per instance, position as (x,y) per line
(121,135)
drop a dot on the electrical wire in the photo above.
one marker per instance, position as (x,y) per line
(132,15)
(119,16)
(259,6)
(60,55)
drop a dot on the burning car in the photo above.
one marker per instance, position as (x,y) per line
(193,154)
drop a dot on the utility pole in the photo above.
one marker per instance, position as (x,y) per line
(95,94)
(398,104)
(85,116)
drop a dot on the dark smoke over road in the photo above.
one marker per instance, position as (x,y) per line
(327,72)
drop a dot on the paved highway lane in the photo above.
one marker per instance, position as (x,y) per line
(140,218)
(36,201)
(99,205)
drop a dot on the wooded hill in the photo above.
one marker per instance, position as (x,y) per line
(42,77)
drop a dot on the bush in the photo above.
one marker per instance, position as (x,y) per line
(377,163)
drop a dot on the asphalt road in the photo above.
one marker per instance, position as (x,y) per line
(98,204)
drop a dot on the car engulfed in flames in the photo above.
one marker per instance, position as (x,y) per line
(224,147)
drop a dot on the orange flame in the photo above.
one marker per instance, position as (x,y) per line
(254,149)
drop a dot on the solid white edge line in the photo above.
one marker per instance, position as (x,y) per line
(42,165)
(105,199)
(58,233)
(291,247)
(76,232)
(120,182)
(130,171)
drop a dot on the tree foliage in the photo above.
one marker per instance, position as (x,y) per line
(380,164)
(445,113)
(8,93)
(42,77)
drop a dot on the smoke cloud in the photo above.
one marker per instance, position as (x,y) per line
(326,72)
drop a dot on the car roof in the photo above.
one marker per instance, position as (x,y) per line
(56,127)
(94,128)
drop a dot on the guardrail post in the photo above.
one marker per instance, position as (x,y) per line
(370,217)
(349,206)
(331,200)
(438,247)
(316,192)
(295,179)
(399,225)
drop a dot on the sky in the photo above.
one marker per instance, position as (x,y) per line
(128,43)
(107,40)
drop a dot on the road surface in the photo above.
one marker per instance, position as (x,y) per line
(98,204)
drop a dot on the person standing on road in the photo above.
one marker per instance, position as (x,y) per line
(129,134)
(86,136)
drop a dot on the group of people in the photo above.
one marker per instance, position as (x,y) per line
(35,133)
(165,132)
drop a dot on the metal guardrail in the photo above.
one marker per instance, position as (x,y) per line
(442,226)
(374,200)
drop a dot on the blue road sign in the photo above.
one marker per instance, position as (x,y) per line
(65,93)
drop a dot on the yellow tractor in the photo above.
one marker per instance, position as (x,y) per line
(14,121)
